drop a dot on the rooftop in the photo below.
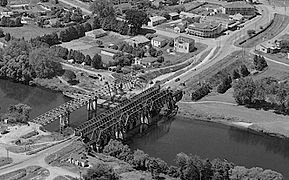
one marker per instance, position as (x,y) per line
(138,39)
(208,26)
(239,4)
(159,39)
(173,14)
(184,39)
(157,18)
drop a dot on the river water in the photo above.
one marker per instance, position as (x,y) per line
(208,140)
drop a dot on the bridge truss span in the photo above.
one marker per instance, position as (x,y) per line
(139,110)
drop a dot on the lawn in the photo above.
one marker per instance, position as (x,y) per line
(29,31)
(88,46)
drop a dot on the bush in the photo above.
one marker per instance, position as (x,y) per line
(201,92)
(160,59)
(69,75)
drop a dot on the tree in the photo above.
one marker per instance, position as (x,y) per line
(244,71)
(153,52)
(2,33)
(117,149)
(19,113)
(87,60)
(69,75)
(96,23)
(3,2)
(251,32)
(44,63)
(244,90)
(7,37)
(235,74)
(18,22)
(139,160)
(136,19)
(99,43)
(259,62)
(87,27)
(97,62)
(160,59)
(101,171)
(102,8)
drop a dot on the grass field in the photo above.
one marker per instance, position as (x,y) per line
(29,31)
(281,57)
(30,172)
(279,23)
(5,160)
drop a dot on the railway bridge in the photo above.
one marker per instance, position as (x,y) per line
(139,110)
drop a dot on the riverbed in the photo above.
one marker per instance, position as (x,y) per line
(191,136)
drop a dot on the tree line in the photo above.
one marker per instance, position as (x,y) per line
(187,166)
(262,91)
(223,80)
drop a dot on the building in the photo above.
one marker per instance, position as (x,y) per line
(208,30)
(97,33)
(138,41)
(222,19)
(181,27)
(185,15)
(156,20)
(159,42)
(78,160)
(174,16)
(268,47)
(243,8)
(183,44)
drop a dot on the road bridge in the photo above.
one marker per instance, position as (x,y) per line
(139,110)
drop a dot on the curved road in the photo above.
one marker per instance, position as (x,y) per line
(39,159)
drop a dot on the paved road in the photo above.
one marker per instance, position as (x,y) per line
(38,159)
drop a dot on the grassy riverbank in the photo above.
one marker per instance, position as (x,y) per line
(212,109)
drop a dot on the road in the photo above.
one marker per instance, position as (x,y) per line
(39,159)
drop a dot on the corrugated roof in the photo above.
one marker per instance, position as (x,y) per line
(239,5)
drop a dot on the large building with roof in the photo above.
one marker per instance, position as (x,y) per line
(243,8)
(222,19)
(208,30)
(138,41)
(156,20)
(184,44)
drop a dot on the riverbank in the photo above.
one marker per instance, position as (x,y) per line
(257,121)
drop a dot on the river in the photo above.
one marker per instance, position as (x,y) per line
(208,140)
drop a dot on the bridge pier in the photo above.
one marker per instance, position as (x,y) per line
(91,108)
(64,120)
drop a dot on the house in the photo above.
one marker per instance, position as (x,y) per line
(78,160)
(156,20)
(183,44)
(159,42)
(268,47)
(174,16)
(185,15)
(208,30)
(237,17)
(181,27)
(97,33)
(243,8)
(138,41)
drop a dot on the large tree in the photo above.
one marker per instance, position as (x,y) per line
(102,8)
(244,90)
(97,62)
(44,62)
(136,19)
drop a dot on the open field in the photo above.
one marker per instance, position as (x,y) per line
(29,31)
(279,23)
